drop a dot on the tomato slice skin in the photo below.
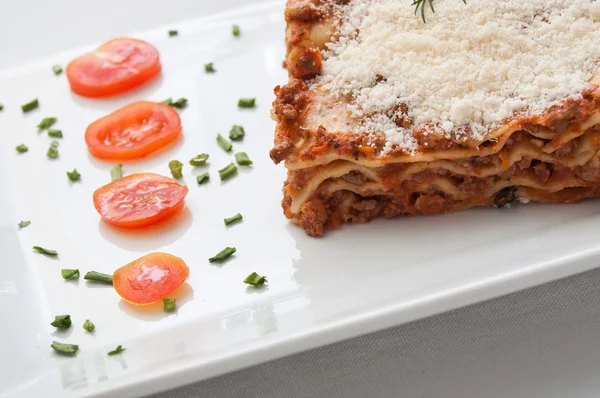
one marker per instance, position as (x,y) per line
(139,200)
(133,131)
(150,278)
(117,66)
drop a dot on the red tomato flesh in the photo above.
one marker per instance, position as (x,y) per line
(116,66)
(139,200)
(134,131)
(150,278)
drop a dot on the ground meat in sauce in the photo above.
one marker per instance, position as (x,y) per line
(542,172)
(505,196)
(312,217)
(355,177)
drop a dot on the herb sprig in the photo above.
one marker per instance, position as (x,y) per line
(420,4)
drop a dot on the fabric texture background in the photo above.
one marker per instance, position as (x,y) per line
(541,342)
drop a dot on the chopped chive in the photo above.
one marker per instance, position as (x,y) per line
(22,148)
(69,273)
(48,252)
(228,171)
(54,144)
(231,220)
(176,167)
(52,152)
(23,224)
(117,350)
(98,277)
(255,280)
(236,133)
(62,321)
(247,102)
(202,178)
(46,123)
(169,304)
(222,255)
(179,104)
(57,69)
(65,349)
(173,33)
(31,105)
(235,29)
(55,133)
(116,172)
(1,107)
(209,68)
(74,175)
(199,160)
(89,326)
(223,143)
(242,159)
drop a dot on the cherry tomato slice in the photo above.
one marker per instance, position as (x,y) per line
(116,66)
(139,200)
(134,131)
(150,278)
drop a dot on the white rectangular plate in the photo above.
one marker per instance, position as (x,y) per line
(352,281)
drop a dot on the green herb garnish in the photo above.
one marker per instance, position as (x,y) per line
(45,251)
(31,105)
(222,255)
(23,224)
(199,160)
(55,133)
(57,69)
(46,123)
(1,107)
(169,304)
(53,150)
(247,102)
(255,280)
(235,29)
(421,4)
(65,349)
(236,133)
(69,273)
(223,143)
(242,159)
(179,104)
(173,33)
(89,326)
(74,175)
(209,68)
(22,148)
(116,172)
(176,167)
(62,321)
(228,171)
(94,276)
(202,178)
(116,351)
(231,220)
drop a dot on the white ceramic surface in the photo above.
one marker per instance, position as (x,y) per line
(353,281)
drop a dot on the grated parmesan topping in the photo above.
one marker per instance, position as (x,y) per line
(466,70)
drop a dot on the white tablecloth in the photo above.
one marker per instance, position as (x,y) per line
(541,342)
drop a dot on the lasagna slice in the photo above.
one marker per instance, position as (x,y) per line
(483,104)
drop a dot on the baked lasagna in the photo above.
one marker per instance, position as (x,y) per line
(482,104)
